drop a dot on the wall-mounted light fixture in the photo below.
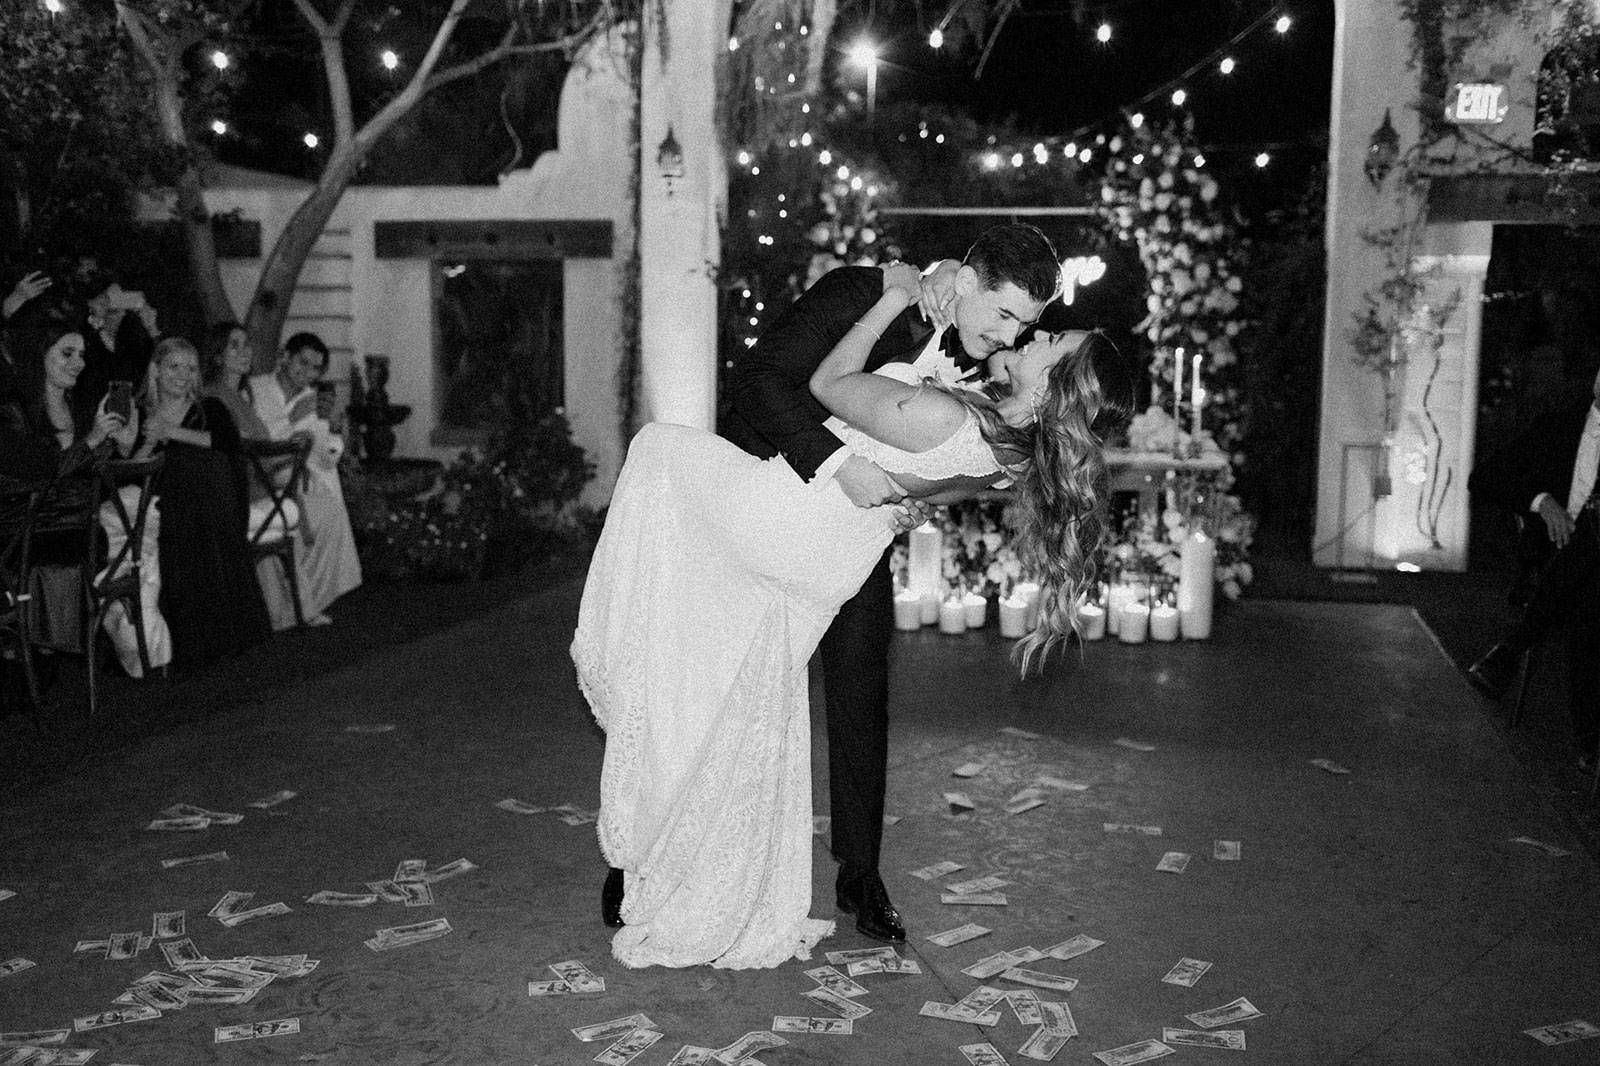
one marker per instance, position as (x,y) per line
(669,159)
(1382,151)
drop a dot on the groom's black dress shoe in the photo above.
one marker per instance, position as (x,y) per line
(865,897)
(611,899)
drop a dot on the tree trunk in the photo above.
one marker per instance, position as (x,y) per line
(269,308)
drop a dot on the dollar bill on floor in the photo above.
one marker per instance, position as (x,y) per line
(369,728)
(91,945)
(418,894)
(937,870)
(844,958)
(1548,849)
(409,870)
(183,955)
(959,935)
(983,1055)
(985,999)
(1043,1045)
(28,1056)
(180,810)
(899,966)
(1073,946)
(160,997)
(1038,979)
(268,802)
(1025,1005)
(978,884)
(401,936)
(121,1016)
(628,1048)
(282,965)
(1328,766)
(784,1023)
(582,979)
(959,802)
(549,988)
(1240,1010)
(16,965)
(205,995)
(1228,1039)
(167,925)
(1564,1032)
(1225,850)
(1022,806)
(1060,784)
(949,1012)
(232,902)
(329,898)
(613,1029)
(35,1038)
(271,910)
(184,824)
(992,965)
(843,1006)
(388,891)
(1020,734)
(1134,745)
(5,894)
(123,946)
(693,1055)
(1186,972)
(516,806)
(73,1056)
(836,982)
(194,860)
(1173,862)
(967,769)
(975,899)
(893,819)
(449,870)
(1058,1018)
(747,1045)
(1128,1054)
(1127,827)
(227,1034)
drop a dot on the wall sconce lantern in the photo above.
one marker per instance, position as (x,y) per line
(669,159)
(1382,151)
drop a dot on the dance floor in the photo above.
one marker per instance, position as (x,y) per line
(1386,914)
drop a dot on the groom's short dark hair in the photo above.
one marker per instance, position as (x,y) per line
(1018,253)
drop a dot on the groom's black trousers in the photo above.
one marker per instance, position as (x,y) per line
(855,684)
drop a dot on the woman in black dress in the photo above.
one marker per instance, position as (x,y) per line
(209,593)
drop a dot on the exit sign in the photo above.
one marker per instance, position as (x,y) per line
(1476,103)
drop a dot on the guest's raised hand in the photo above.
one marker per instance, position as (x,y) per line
(106,424)
(30,286)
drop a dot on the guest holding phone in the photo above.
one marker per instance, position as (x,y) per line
(209,593)
(123,329)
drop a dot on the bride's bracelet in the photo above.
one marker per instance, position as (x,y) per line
(877,334)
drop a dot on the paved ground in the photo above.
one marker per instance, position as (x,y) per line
(1382,916)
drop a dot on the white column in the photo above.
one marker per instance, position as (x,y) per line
(680,240)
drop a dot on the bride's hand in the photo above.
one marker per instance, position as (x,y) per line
(904,277)
(938,292)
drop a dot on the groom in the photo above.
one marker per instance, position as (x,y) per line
(1009,274)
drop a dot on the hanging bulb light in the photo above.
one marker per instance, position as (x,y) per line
(219,127)
(1136,119)
(936,39)
(311,140)
(1178,97)
(1227,65)
(1262,159)
(1283,24)
(390,59)
(1103,33)
(220,60)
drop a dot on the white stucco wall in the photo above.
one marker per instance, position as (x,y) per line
(1355,448)
(389,307)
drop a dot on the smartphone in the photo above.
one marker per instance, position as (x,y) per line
(119,299)
(119,398)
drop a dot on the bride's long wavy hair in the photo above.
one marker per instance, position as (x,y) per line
(1061,482)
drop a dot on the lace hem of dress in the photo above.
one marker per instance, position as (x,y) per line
(631,947)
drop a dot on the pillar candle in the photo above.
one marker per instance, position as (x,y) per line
(1197,402)
(1013,617)
(1093,619)
(925,561)
(1029,590)
(1196,584)
(907,610)
(1164,623)
(1135,625)
(977,610)
(929,603)
(1116,600)
(953,616)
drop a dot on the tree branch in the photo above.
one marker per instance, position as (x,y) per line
(342,19)
(506,50)
(312,16)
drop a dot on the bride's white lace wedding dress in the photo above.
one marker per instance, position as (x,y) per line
(714,579)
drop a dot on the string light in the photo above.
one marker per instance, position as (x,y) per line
(938,139)
(1135,120)
(843,172)
(53,6)
(733,44)
(936,39)
(1085,155)
(390,59)
(1262,159)
(1283,24)
(1178,97)
(219,127)
(311,140)
(1227,65)
(1199,160)
(220,60)
(744,159)
(1103,34)
(1138,158)
(825,157)
(991,161)
(1070,150)
(1016,159)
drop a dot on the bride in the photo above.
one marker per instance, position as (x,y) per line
(717,574)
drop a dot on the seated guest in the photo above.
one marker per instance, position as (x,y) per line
(51,431)
(209,593)
(121,337)
(225,376)
(1548,473)
(287,401)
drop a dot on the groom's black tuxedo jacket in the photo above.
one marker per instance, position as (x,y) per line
(1538,459)
(773,411)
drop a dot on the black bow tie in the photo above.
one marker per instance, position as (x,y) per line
(950,345)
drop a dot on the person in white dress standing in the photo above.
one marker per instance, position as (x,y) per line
(715,578)
(286,401)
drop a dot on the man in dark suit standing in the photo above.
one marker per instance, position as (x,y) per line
(1008,276)
(1549,471)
